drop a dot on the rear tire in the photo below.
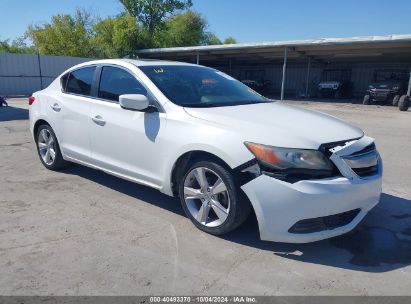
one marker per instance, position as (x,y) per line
(215,210)
(366,100)
(48,149)
(404,103)
(395,100)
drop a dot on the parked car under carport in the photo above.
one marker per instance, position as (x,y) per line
(384,93)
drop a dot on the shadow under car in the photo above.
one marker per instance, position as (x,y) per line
(380,243)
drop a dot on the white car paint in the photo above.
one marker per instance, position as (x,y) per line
(144,147)
(279,125)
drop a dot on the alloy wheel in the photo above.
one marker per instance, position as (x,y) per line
(206,197)
(46,146)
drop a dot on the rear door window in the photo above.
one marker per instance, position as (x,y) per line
(115,82)
(80,81)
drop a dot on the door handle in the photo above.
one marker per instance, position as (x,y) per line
(99,120)
(56,107)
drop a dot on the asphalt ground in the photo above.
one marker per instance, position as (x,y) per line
(83,232)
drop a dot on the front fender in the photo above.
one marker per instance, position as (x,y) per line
(232,157)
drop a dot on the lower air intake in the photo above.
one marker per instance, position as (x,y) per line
(324,223)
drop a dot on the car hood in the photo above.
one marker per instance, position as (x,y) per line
(384,86)
(278,124)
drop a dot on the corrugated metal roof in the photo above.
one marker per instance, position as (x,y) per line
(290,43)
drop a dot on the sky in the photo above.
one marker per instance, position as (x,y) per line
(245,20)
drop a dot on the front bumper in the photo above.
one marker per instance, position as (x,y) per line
(279,205)
(381,95)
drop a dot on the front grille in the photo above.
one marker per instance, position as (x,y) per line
(325,148)
(368,148)
(366,171)
(357,161)
(324,223)
(364,162)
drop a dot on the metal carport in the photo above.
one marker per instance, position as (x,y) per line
(355,50)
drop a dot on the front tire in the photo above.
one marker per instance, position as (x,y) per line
(211,199)
(395,100)
(48,149)
(404,103)
(366,100)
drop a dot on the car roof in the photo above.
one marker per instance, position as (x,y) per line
(136,62)
(151,62)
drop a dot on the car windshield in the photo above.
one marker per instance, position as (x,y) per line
(196,86)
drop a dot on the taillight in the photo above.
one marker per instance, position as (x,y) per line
(31,100)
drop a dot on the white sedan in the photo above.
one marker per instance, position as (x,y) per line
(198,134)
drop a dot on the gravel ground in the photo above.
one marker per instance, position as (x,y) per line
(83,232)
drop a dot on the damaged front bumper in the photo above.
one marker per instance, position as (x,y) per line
(312,210)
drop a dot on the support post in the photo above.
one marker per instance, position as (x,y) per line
(198,58)
(41,76)
(307,80)
(409,86)
(284,72)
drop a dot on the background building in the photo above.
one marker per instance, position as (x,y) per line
(296,67)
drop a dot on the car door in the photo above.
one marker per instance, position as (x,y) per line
(124,141)
(69,112)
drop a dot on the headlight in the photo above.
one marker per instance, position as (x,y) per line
(289,159)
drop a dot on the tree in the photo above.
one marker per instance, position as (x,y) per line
(211,39)
(18,46)
(104,38)
(65,35)
(119,37)
(230,40)
(146,24)
(152,13)
(184,29)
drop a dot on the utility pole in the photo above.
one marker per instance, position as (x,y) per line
(307,81)
(284,72)
(41,76)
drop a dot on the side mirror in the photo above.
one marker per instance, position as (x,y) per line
(136,102)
